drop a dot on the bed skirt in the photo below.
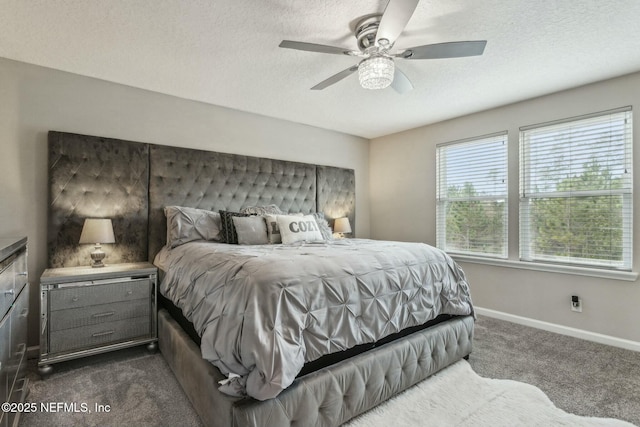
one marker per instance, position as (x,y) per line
(324,398)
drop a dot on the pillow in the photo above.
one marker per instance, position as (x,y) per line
(323,225)
(251,230)
(262,210)
(296,229)
(228,230)
(189,224)
(273,231)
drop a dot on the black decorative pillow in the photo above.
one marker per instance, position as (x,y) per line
(228,230)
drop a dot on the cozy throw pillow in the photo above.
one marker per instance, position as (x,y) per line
(189,224)
(273,231)
(251,230)
(296,229)
(228,232)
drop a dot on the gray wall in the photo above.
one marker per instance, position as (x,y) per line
(34,100)
(403,207)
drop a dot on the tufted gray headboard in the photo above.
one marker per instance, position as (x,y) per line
(219,181)
(132,182)
(96,177)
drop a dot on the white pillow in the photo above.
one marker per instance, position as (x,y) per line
(273,231)
(297,229)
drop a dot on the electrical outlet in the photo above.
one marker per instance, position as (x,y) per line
(576,303)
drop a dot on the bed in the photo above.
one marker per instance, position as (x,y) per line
(316,390)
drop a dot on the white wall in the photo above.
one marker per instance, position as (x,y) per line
(403,207)
(34,100)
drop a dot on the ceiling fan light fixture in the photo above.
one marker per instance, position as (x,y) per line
(376,72)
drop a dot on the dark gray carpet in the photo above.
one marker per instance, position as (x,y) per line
(138,386)
(580,377)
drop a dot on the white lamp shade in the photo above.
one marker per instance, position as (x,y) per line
(97,230)
(342,225)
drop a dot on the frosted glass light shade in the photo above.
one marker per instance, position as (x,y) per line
(376,72)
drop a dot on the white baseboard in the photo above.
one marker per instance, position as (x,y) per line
(560,329)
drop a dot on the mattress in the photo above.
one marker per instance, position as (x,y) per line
(262,312)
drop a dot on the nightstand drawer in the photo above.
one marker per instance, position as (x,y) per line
(100,334)
(96,314)
(83,296)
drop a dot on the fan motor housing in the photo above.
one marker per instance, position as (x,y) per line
(366,31)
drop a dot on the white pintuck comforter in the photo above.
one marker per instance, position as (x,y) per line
(263,311)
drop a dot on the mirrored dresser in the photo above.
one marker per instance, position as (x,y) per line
(14,309)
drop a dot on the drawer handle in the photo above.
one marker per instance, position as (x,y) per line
(75,299)
(107,314)
(101,334)
(24,273)
(22,350)
(129,292)
(10,292)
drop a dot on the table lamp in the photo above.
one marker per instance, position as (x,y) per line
(341,226)
(97,231)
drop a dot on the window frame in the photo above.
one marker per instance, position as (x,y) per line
(442,200)
(526,241)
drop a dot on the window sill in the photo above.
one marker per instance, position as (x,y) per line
(629,276)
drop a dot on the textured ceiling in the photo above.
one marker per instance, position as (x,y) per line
(225,52)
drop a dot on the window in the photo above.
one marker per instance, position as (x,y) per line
(576,191)
(472,196)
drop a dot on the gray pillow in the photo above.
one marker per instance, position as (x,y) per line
(251,230)
(262,210)
(189,224)
(323,225)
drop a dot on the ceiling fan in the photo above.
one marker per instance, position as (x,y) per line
(376,36)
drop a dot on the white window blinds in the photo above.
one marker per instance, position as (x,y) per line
(576,191)
(472,196)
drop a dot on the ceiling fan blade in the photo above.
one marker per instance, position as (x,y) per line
(401,82)
(444,50)
(395,18)
(335,78)
(313,47)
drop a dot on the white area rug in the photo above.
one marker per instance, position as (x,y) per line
(457,396)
